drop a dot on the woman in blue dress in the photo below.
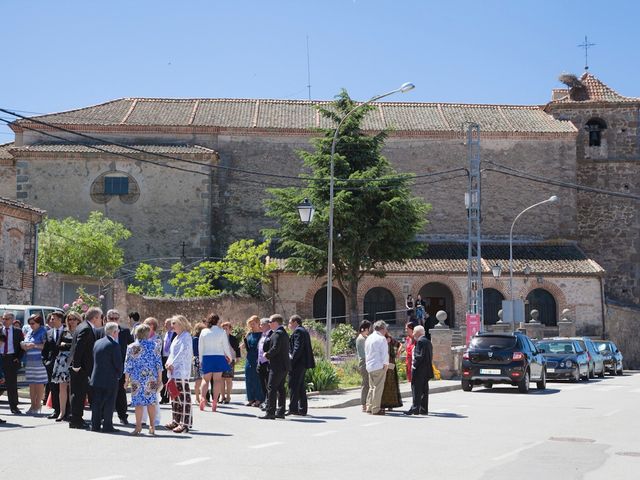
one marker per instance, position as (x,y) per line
(35,371)
(255,395)
(143,371)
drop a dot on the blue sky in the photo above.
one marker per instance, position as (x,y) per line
(74,53)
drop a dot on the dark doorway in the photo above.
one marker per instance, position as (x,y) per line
(541,300)
(338,305)
(491,305)
(436,297)
(379,299)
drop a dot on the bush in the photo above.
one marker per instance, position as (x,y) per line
(317,346)
(313,326)
(343,339)
(401,368)
(349,373)
(323,376)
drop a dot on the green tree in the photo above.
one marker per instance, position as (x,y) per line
(198,281)
(81,248)
(376,218)
(244,265)
(148,281)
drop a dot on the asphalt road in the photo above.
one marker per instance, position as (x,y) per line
(569,431)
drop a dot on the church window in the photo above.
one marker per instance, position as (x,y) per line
(594,128)
(116,185)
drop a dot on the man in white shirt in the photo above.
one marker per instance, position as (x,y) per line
(377,362)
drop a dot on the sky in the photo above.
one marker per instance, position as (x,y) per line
(65,54)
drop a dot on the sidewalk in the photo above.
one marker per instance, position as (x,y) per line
(351,397)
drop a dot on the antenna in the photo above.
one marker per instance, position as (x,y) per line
(308,69)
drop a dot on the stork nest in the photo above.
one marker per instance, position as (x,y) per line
(570,80)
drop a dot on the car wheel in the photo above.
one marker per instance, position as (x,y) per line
(542,383)
(587,377)
(620,372)
(601,374)
(523,385)
(592,373)
(467,386)
(488,385)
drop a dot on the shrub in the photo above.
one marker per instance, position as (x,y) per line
(349,373)
(313,326)
(401,368)
(317,346)
(343,339)
(323,376)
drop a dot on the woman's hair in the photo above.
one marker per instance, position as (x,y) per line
(73,315)
(36,317)
(197,328)
(225,325)
(212,320)
(251,320)
(142,331)
(365,326)
(152,322)
(182,321)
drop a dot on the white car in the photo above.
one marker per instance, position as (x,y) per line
(22,312)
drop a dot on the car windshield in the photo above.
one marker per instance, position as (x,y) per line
(493,343)
(603,347)
(557,347)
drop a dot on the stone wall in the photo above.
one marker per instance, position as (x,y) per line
(623,324)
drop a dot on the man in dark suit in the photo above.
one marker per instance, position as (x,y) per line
(124,339)
(81,362)
(49,353)
(263,362)
(279,365)
(12,354)
(301,358)
(421,373)
(107,369)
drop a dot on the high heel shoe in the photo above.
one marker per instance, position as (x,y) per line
(203,403)
(152,430)
(136,431)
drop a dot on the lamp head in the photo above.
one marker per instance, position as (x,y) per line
(553,198)
(306,211)
(405,87)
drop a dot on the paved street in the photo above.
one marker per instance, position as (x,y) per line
(570,431)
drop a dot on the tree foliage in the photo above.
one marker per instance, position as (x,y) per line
(148,281)
(197,281)
(81,248)
(376,218)
(244,266)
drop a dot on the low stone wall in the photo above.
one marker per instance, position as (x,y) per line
(622,325)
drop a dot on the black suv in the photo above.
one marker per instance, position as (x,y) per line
(503,358)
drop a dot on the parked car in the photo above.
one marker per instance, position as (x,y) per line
(566,359)
(509,358)
(22,312)
(612,356)
(596,360)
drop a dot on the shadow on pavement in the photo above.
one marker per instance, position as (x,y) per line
(326,417)
(447,415)
(199,434)
(307,420)
(514,391)
(233,414)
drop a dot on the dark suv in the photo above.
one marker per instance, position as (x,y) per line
(503,358)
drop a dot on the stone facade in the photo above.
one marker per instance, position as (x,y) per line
(623,324)
(18,237)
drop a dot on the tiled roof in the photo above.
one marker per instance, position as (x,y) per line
(77,148)
(301,115)
(594,90)
(563,259)
(23,206)
(4,151)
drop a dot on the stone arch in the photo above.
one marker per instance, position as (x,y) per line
(379,299)
(544,301)
(492,303)
(389,283)
(595,127)
(338,305)
(439,295)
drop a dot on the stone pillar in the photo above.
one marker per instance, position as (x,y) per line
(502,328)
(534,330)
(566,328)
(441,338)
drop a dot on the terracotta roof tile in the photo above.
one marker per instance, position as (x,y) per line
(77,148)
(23,206)
(595,90)
(4,151)
(301,115)
(563,259)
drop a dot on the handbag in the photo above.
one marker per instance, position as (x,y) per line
(172,389)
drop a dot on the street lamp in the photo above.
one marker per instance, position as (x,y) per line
(405,87)
(306,211)
(551,199)
(496,271)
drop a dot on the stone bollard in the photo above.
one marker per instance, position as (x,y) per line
(534,330)
(502,328)
(566,328)
(442,339)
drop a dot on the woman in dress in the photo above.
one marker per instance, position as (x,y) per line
(196,371)
(35,372)
(255,395)
(60,373)
(409,344)
(364,329)
(215,357)
(410,305)
(391,397)
(143,371)
(227,377)
(179,369)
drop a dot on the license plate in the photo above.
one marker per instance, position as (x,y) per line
(490,371)
(551,370)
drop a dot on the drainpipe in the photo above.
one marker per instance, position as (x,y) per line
(35,266)
(602,306)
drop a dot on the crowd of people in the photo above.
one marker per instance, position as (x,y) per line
(76,361)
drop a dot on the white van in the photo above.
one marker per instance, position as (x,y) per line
(22,312)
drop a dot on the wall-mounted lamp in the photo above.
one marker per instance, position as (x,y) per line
(496,271)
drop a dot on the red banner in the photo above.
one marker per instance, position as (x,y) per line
(473,325)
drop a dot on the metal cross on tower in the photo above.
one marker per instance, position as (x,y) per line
(472,202)
(586,45)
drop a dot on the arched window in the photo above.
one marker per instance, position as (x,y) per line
(595,127)
(437,296)
(380,299)
(491,305)
(338,305)
(541,300)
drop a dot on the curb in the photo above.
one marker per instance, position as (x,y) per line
(356,401)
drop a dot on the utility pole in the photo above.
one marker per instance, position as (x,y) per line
(474,317)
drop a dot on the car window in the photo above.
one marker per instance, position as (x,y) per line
(494,343)
(557,347)
(19,314)
(603,347)
(582,345)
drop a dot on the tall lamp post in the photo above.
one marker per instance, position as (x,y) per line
(405,87)
(551,199)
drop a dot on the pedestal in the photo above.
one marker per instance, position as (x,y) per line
(534,330)
(566,329)
(441,338)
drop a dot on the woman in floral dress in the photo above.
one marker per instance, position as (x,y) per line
(143,370)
